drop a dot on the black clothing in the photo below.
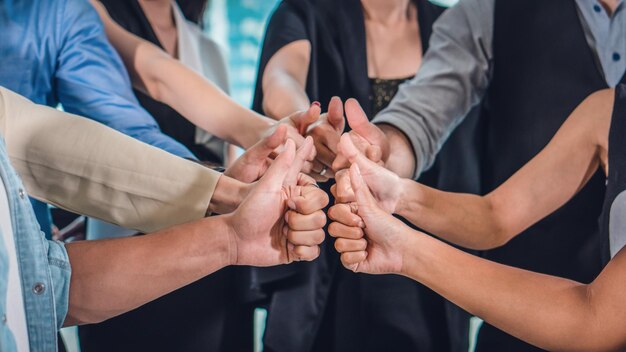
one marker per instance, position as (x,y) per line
(203,316)
(543,69)
(382,91)
(320,306)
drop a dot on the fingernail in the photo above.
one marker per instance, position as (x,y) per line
(291,204)
(361,224)
(316,103)
(287,217)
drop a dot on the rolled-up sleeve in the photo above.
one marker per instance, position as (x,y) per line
(60,273)
(454,76)
(85,167)
(92,81)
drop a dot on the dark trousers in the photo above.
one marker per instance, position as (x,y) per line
(203,316)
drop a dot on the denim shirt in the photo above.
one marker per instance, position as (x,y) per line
(57,52)
(43,266)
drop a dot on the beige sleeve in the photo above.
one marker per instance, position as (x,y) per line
(85,167)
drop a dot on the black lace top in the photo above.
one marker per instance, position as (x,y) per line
(382,91)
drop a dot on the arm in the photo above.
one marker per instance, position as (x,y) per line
(167,80)
(550,312)
(452,79)
(91,81)
(543,185)
(85,167)
(547,311)
(284,80)
(140,269)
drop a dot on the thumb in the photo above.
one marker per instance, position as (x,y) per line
(358,121)
(335,115)
(303,154)
(303,119)
(275,175)
(265,147)
(362,193)
(354,156)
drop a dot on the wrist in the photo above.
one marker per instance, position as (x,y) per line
(261,127)
(228,194)
(418,252)
(230,237)
(404,200)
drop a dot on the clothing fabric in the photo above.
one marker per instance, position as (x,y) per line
(613,225)
(548,72)
(319,306)
(43,266)
(197,52)
(382,91)
(550,66)
(132,184)
(66,59)
(84,167)
(205,315)
(15,317)
(459,68)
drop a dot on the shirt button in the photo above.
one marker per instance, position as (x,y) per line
(616,56)
(597,8)
(39,288)
(22,194)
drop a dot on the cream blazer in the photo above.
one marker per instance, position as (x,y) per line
(87,168)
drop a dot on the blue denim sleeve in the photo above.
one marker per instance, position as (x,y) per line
(92,81)
(60,273)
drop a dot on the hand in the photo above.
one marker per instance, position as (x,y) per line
(370,240)
(255,161)
(385,185)
(297,125)
(367,137)
(326,133)
(263,231)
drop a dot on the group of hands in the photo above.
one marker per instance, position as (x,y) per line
(282,218)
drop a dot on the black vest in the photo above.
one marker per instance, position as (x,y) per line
(543,68)
(616,179)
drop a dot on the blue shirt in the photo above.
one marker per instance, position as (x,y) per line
(57,52)
(44,270)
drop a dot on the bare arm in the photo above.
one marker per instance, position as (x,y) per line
(113,276)
(550,312)
(284,80)
(543,185)
(167,80)
(141,269)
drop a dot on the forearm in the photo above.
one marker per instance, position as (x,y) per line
(402,159)
(550,312)
(85,167)
(463,219)
(283,95)
(201,102)
(228,194)
(111,277)
(197,99)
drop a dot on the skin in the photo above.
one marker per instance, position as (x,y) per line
(388,138)
(263,231)
(394,50)
(165,79)
(550,312)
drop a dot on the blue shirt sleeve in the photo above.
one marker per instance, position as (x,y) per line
(60,274)
(92,81)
